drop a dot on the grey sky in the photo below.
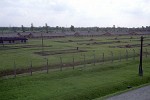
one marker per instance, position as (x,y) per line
(102,13)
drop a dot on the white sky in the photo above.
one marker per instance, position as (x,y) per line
(80,13)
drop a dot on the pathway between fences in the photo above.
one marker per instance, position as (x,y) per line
(73,64)
(136,94)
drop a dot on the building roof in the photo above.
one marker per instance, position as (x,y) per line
(12,38)
(85,33)
(9,35)
(47,34)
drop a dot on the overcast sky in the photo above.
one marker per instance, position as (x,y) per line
(80,13)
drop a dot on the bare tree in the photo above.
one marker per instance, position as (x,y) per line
(32,28)
(72,28)
(22,27)
(46,27)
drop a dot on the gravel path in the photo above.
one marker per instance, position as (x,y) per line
(137,94)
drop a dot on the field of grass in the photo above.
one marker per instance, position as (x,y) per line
(53,49)
(83,83)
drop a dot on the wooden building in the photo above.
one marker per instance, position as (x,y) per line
(12,40)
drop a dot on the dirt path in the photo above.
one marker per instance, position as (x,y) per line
(137,94)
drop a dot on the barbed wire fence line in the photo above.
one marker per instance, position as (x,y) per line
(94,59)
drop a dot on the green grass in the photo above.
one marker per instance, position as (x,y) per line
(23,56)
(83,83)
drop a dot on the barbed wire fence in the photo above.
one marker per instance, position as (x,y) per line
(128,55)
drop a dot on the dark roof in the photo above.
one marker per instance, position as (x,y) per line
(9,35)
(47,34)
(107,34)
(12,38)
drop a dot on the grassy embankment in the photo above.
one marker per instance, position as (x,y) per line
(83,83)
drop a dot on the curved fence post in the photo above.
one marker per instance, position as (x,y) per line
(61,63)
(73,62)
(133,54)
(126,54)
(146,53)
(15,69)
(47,65)
(112,58)
(31,68)
(94,57)
(120,56)
(103,58)
(84,61)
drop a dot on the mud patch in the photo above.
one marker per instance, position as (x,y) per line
(32,46)
(129,46)
(101,43)
(56,52)
(8,47)
(68,41)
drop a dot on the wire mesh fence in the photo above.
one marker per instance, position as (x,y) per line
(45,64)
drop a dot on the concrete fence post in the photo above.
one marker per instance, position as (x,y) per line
(73,62)
(126,54)
(61,64)
(103,58)
(120,56)
(15,69)
(94,58)
(31,68)
(112,58)
(133,54)
(84,61)
(146,53)
(47,65)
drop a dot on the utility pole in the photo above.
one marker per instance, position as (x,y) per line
(140,65)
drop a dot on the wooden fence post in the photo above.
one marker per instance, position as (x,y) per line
(31,68)
(73,62)
(126,54)
(133,54)
(61,64)
(14,69)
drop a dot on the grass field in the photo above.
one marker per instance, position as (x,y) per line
(84,82)
(22,54)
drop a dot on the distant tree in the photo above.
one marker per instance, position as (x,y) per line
(88,30)
(63,29)
(32,27)
(72,28)
(57,27)
(46,27)
(22,27)
(97,29)
(14,29)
